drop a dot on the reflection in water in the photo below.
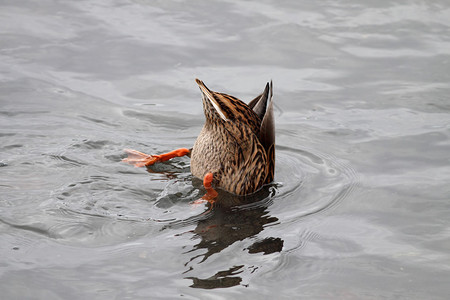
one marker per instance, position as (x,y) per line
(230,219)
(233,219)
(222,279)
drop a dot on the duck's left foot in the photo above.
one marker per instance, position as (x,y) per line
(139,159)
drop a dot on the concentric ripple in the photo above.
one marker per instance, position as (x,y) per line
(306,183)
(312,182)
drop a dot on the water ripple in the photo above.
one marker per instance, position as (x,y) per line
(317,181)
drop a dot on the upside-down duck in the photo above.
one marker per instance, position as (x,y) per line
(235,150)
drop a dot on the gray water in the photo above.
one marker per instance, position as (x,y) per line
(361,200)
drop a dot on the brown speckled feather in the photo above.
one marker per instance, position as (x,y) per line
(237,142)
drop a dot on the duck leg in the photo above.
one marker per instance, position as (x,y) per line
(211,193)
(139,159)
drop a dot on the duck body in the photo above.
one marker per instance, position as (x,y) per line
(235,150)
(237,142)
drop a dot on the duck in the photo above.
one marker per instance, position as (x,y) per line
(235,150)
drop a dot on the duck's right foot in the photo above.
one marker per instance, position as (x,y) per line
(211,193)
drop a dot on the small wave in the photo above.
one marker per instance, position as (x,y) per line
(66,160)
(313,182)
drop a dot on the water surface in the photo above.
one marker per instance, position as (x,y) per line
(360,204)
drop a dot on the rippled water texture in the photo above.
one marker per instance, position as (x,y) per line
(360,204)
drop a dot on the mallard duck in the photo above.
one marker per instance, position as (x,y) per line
(235,150)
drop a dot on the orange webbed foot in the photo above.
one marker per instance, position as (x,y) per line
(211,193)
(139,159)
